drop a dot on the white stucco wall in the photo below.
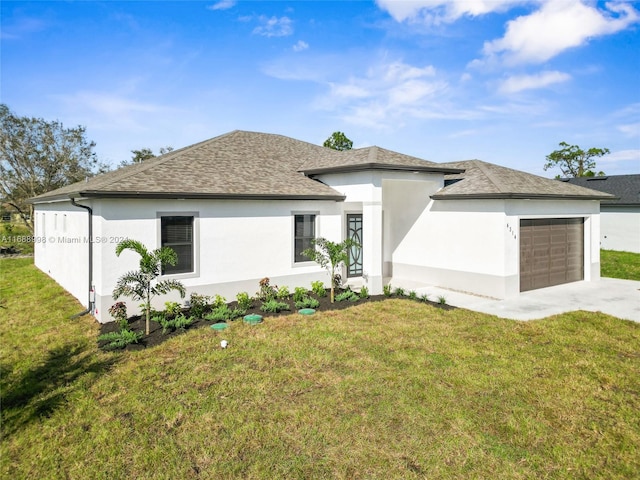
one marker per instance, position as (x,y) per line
(473,245)
(61,249)
(388,201)
(620,228)
(236,243)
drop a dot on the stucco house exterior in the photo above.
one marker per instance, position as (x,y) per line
(243,206)
(620,216)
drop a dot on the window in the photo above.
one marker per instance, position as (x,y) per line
(304,233)
(177,233)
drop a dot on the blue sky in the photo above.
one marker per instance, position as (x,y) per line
(499,80)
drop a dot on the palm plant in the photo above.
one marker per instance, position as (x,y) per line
(329,255)
(142,284)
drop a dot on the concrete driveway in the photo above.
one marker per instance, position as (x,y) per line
(620,298)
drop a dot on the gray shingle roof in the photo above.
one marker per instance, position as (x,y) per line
(486,180)
(244,164)
(239,164)
(625,187)
(368,158)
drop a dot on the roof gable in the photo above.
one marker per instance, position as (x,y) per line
(486,180)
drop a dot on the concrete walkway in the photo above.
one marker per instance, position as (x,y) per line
(620,298)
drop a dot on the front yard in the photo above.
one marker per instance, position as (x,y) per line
(394,389)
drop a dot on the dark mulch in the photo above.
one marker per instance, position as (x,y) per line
(156,337)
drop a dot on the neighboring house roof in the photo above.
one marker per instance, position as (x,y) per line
(238,164)
(625,187)
(486,180)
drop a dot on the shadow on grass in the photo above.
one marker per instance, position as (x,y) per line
(37,393)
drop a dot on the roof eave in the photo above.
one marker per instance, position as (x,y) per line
(378,166)
(515,196)
(186,195)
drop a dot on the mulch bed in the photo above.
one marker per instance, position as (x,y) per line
(156,337)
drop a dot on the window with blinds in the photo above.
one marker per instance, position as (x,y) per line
(304,234)
(177,233)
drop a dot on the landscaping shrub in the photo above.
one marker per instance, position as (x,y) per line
(387,290)
(299,294)
(224,313)
(347,295)
(119,339)
(119,313)
(273,306)
(364,292)
(245,302)
(283,292)
(307,302)
(199,304)
(318,288)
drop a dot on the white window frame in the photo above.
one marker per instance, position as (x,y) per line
(196,242)
(316,215)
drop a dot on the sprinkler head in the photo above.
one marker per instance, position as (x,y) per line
(224,344)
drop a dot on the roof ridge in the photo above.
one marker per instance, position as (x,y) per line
(373,153)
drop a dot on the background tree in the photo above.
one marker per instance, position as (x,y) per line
(575,162)
(338,141)
(37,156)
(330,255)
(142,284)
(143,154)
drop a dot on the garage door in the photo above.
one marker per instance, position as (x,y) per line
(551,252)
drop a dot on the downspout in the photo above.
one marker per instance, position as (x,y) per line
(90,229)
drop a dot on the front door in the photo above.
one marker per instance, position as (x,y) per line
(354,233)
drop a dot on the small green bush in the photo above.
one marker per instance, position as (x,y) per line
(267,291)
(119,339)
(364,292)
(387,290)
(424,298)
(172,309)
(245,302)
(307,302)
(119,313)
(347,295)
(413,295)
(224,313)
(218,301)
(442,300)
(299,293)
(274,306)
(199,304)
(180,322)
(318,288)
(399,292)
(283,292)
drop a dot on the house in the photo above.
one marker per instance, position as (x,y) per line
(244,205)
(620,216)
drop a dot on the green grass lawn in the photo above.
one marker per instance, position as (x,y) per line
(387,390)
(625,265)
(16,235)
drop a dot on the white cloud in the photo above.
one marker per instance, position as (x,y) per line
(632,155)
(438,11)
(300,46)
(106,110)
(222,5)
(389,94)
(518,83)
(556,27)
(630,129)
(274,26)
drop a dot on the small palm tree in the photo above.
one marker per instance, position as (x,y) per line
(329,255)
(139,284)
